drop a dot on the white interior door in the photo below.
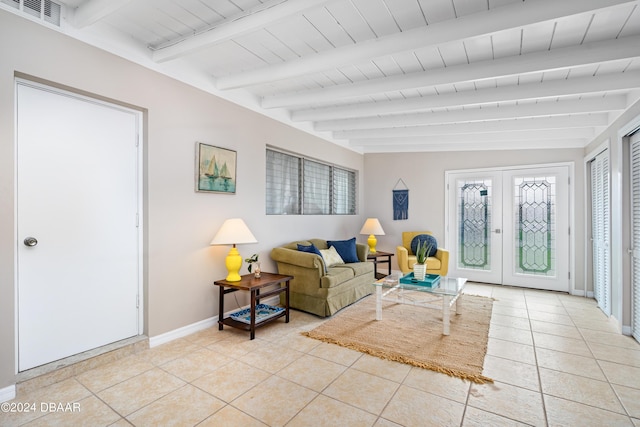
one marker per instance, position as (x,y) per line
(510,227)
(635,245)
(77,196)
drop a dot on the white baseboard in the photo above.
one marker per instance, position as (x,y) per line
(8,393)
(590,294)
(182,332)
(195,327)
(626,330)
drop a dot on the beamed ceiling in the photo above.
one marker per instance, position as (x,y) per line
(382,76)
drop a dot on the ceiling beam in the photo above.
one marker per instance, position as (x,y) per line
(547,89)
(92,11)
(492,126)
(267,13)
(478,24)
(609,50)
(469,145)
(591,105)
(531,135)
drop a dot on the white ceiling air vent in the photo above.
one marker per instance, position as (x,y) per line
(45,10)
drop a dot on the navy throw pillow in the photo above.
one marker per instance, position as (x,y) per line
(311,249)
(425,238)
(346,249)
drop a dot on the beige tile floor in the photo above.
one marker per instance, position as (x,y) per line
(555,360)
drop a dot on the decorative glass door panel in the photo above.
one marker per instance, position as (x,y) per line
(475,223)
(534,223)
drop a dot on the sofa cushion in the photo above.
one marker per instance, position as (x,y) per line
(336,276)
(358,268)
(331,257)
(420,238)
(346,249)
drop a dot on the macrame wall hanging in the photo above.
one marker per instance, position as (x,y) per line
(400,201)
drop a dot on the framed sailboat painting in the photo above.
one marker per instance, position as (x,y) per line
(215,169)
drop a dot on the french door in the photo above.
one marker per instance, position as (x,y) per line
(510,226)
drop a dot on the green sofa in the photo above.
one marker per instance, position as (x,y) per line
(323,293)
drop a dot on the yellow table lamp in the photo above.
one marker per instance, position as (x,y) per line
(233,231)
(372,227)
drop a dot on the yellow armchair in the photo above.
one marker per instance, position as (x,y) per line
(438,264)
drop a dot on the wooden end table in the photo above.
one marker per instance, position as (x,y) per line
(249,283)
(380,257)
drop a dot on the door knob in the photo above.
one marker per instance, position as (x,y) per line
(30,241)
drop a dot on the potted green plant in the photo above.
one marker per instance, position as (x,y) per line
(420,267)
(250,261)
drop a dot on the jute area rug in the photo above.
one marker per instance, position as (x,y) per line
(413,335)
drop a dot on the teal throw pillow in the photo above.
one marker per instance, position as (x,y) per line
(425,238)
(346,249)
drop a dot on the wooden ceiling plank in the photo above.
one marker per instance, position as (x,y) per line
(234,26)
(479,24)
(377,17)
(324,23)
(581,133)
(608,23)
(352,21)
(437,10)
(470,145)
(618,102)
(406,12)
(92,11)
(520,124)
(534,62)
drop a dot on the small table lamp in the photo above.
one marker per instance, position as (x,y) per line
(233,231)
(372,227)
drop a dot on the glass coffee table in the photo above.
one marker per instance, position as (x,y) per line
(449,289)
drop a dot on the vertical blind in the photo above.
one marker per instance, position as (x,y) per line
(344,192)
(635,221)
(299,186)
(600,231)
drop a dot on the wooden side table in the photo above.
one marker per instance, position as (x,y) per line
(380,257)
(249,283)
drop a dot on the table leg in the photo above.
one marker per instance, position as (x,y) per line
(286,303)
(220,307)
(253,314)
(459,305)
(378,302)
(446,305)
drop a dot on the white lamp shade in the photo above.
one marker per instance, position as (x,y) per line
(233,231)
(372,226)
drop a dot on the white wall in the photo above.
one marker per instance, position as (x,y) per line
(424,175)
(179,223)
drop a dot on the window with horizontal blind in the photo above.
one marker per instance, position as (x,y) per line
(299,186)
